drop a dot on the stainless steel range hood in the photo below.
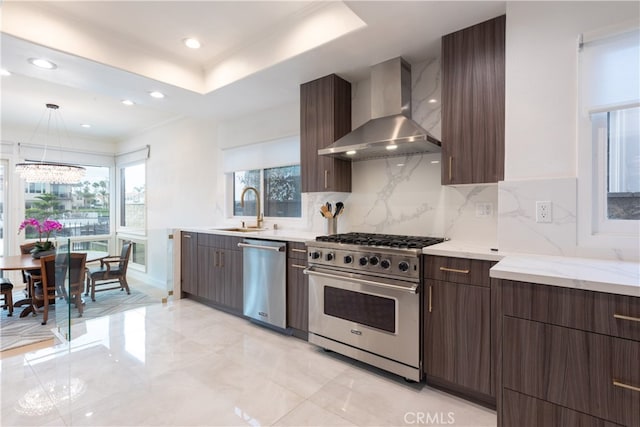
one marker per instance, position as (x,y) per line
(390,132)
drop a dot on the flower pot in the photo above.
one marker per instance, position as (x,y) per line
(44,249)
(40,254)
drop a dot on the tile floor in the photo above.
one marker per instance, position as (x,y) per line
(183,363)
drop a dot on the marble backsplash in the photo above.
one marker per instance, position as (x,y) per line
(518,230)
(403,195)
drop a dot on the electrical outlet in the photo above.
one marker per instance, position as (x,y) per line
(484,209)
(543,211)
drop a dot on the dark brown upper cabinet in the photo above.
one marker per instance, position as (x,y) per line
(325,116)
(473,100)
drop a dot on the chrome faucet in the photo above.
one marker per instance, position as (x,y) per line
(258,214)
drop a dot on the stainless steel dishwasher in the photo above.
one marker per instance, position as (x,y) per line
(264,265)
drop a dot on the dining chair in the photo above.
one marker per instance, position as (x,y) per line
(53,283)
(112,270)
(6,290)
(32,274)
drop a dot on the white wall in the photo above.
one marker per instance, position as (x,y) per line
(541,124)
(181,178)
(541,82)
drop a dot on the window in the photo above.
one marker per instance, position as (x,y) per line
(609,138)
(132,198)
(138,259)
(83,209)
(620,139)
(279,189)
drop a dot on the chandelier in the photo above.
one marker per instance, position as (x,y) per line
(50,172)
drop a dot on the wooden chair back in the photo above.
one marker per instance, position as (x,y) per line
(54,271)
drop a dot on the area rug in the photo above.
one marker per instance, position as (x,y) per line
(16,331)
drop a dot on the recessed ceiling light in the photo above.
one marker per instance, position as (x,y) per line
(156,94)
(192,43)
(435,162)
(127,102)
(400,164)
(351,152)
(4,72)
(85,125)
(432,101)
(43,63)
(391,147)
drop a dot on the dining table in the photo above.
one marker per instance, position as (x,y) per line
(27,262)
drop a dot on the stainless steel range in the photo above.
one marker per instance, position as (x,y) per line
(364,298)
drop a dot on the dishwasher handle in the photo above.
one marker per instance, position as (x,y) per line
(269,248)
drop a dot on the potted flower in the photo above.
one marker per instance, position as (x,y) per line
(45,247)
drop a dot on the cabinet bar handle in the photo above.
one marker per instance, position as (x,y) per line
(326,178)
(298,266)
(430,298)
(215,259)
(450,165)
(623,317)
(304,251)
(627,386)
(221,259)
(186,236)
(454,270)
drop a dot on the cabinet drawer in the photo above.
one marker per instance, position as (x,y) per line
(297,250)
(521,410)
(609,314)
(583,371)
(458,270)
(218,241)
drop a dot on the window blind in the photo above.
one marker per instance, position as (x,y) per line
(610,67)
(268,154)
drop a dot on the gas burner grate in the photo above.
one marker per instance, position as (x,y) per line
(381,240)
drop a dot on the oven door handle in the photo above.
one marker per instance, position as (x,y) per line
(413,289)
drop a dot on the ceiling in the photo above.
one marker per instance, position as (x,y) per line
(254,55)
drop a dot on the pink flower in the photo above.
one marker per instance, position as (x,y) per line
(50,225)
(47,227)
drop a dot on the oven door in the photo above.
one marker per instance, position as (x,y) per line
(380,316)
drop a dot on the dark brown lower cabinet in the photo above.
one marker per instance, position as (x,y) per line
(231,278)
(586,372)
(220,276)
(189,262)
(457,341)
(526,411)
(297,295)
(569,356)
(297,290)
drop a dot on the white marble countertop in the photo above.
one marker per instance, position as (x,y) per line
(616,277)
(458,249)
(290,235)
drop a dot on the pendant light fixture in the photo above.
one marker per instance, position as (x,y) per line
(50,172)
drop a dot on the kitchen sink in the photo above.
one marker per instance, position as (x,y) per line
(240,229)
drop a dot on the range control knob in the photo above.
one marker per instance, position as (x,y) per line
(363,260)
(403,266)
(348,259)
(385,263)
(329,256)
(314,255)
(374,260)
